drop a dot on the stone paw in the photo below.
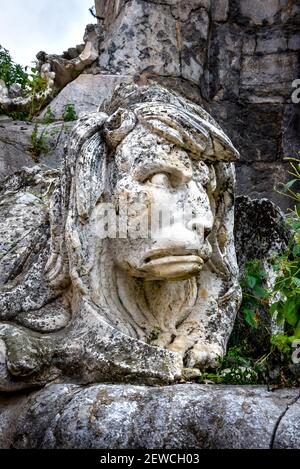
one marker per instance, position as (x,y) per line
(203,356)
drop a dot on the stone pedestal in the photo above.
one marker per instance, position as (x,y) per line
(172,417)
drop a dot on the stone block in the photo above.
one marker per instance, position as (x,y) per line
(271,42)
(182,10)
(268,76)
(291,130)
(255,129)
(86,93)
(194,34)
(249,43)
(219,10)
(143,38)
(260,180)
(288,432)
(294,42)
(173,417)
(258,12)
(221,80)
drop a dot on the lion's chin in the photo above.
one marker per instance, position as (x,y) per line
(172,267)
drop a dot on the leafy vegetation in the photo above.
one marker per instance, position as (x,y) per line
(286,291)
(36,87)
(33,87)
(237,368)
(69,113)
(11,72)
(31,83)
(255,292)
(49,116)
(38,143)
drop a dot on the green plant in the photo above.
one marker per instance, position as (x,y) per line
(236,368)
(75,74)
(49,116)
(18,115)
(10,72)
(36,88)
(282,343)
(286,291)
(69,113)
(38,143)
(32,83)
(255,292)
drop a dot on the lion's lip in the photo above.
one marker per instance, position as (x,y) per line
(172,257)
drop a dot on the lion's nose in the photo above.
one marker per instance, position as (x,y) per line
(193,225)
(200,225)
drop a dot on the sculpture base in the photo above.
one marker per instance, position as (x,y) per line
(126,416)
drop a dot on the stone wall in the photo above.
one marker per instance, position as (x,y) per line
(237,57)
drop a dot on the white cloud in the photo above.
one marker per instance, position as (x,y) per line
(28,26)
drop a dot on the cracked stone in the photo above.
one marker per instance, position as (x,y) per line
(287,434)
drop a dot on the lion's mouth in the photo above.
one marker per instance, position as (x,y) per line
(173,264)
(172,255)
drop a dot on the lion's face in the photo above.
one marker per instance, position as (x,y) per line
(160,191)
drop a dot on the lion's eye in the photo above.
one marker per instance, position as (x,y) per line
(160,179)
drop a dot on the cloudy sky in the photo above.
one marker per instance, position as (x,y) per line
(28,26)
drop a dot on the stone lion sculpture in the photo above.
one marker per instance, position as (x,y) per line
(81,306)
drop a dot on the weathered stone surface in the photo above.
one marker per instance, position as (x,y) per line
(264,133)
(140,307)
(294,42)
(291,130)
(10,407)
(143,38)
(260,180)
(260,234)
(271,42)
(184,87)
(221,77)
(61,69)
(288,432)
(249,59)
(260,231)
(220,10)
(16,145)
(269,76)
(174,417)
(86,93)
(256,130)
(183,10)
(192,38)
(108,11)
(167,39)
(258,12)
